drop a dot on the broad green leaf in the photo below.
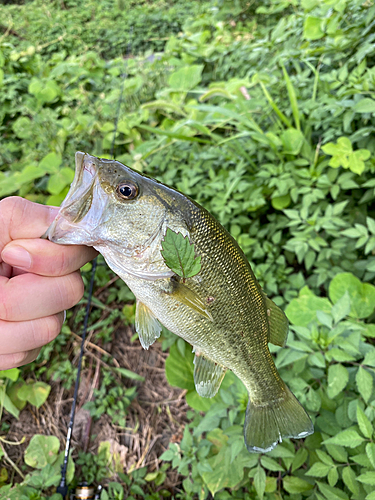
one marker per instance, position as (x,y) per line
(365,105)
(36,393)
(292,140)
(260,481)
(348,437)
(42,450)
(178,254)
(281,202)
(179,369)
(362,295)
(338,377)
(295,485)
(342,308)
(364,383)
(312,28)
(50,163)
(367,478)
(271,464)
(11,374)
(332,493)
(186,78)
(333,476)
(364,423)
(58,181)
(302,311)
(350,480)
(319,470)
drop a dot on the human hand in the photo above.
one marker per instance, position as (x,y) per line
(38,280)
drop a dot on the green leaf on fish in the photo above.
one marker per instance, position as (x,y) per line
(178,254)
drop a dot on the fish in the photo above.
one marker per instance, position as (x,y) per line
(222,311)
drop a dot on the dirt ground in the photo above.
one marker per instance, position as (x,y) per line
(155,418)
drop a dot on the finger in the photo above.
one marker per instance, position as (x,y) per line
(20,218)
(29,296)
(21,336)
(8,361)
(46,258)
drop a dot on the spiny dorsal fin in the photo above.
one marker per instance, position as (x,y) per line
(278,324)
(185,295)
(146,325)
(207,376)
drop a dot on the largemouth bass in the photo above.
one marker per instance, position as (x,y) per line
(222,311)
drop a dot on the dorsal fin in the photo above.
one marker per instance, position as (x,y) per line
(278,324)
(146,325)
(207,376)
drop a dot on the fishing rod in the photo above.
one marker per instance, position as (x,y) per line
(84,491)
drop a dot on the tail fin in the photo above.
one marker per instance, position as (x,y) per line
(268,425)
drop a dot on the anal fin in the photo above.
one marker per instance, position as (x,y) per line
(146,325)
(186,296)
(278,324)
(208,376)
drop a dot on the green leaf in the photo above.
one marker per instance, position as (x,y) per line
(348,437)
(319,470)
(178,254)
(362,295)
(332,493)
(295,485)
(365,105)
(11,374)
(281,202)
(364,383)
(350,480)
(364,423)
(302,311)
(260,481)
(51,162)
(270,464)
(370,452)
(186,78)
(179,369)
(129,374)
(338,377)
(342,308)
(312,28)
(35,393)
(292,140)
(367,478)
(42,450)
(58,181)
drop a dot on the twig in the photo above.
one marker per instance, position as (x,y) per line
(8,459)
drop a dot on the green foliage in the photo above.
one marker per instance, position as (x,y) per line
(264,114)
(330,368)
(178,254)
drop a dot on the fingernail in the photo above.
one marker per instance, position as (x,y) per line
(17,256)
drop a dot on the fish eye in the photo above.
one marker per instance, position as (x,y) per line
(127,190)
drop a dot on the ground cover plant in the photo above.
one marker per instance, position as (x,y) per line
(265,115)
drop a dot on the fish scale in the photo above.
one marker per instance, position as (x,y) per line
(222,311)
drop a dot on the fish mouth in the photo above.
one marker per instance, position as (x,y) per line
(65,229)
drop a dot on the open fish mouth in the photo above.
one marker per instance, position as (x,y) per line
(66,228)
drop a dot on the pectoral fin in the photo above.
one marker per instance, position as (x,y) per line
(207,376)
(146,325)
(186,296)
(278,329)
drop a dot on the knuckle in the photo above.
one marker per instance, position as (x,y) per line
(6,306)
